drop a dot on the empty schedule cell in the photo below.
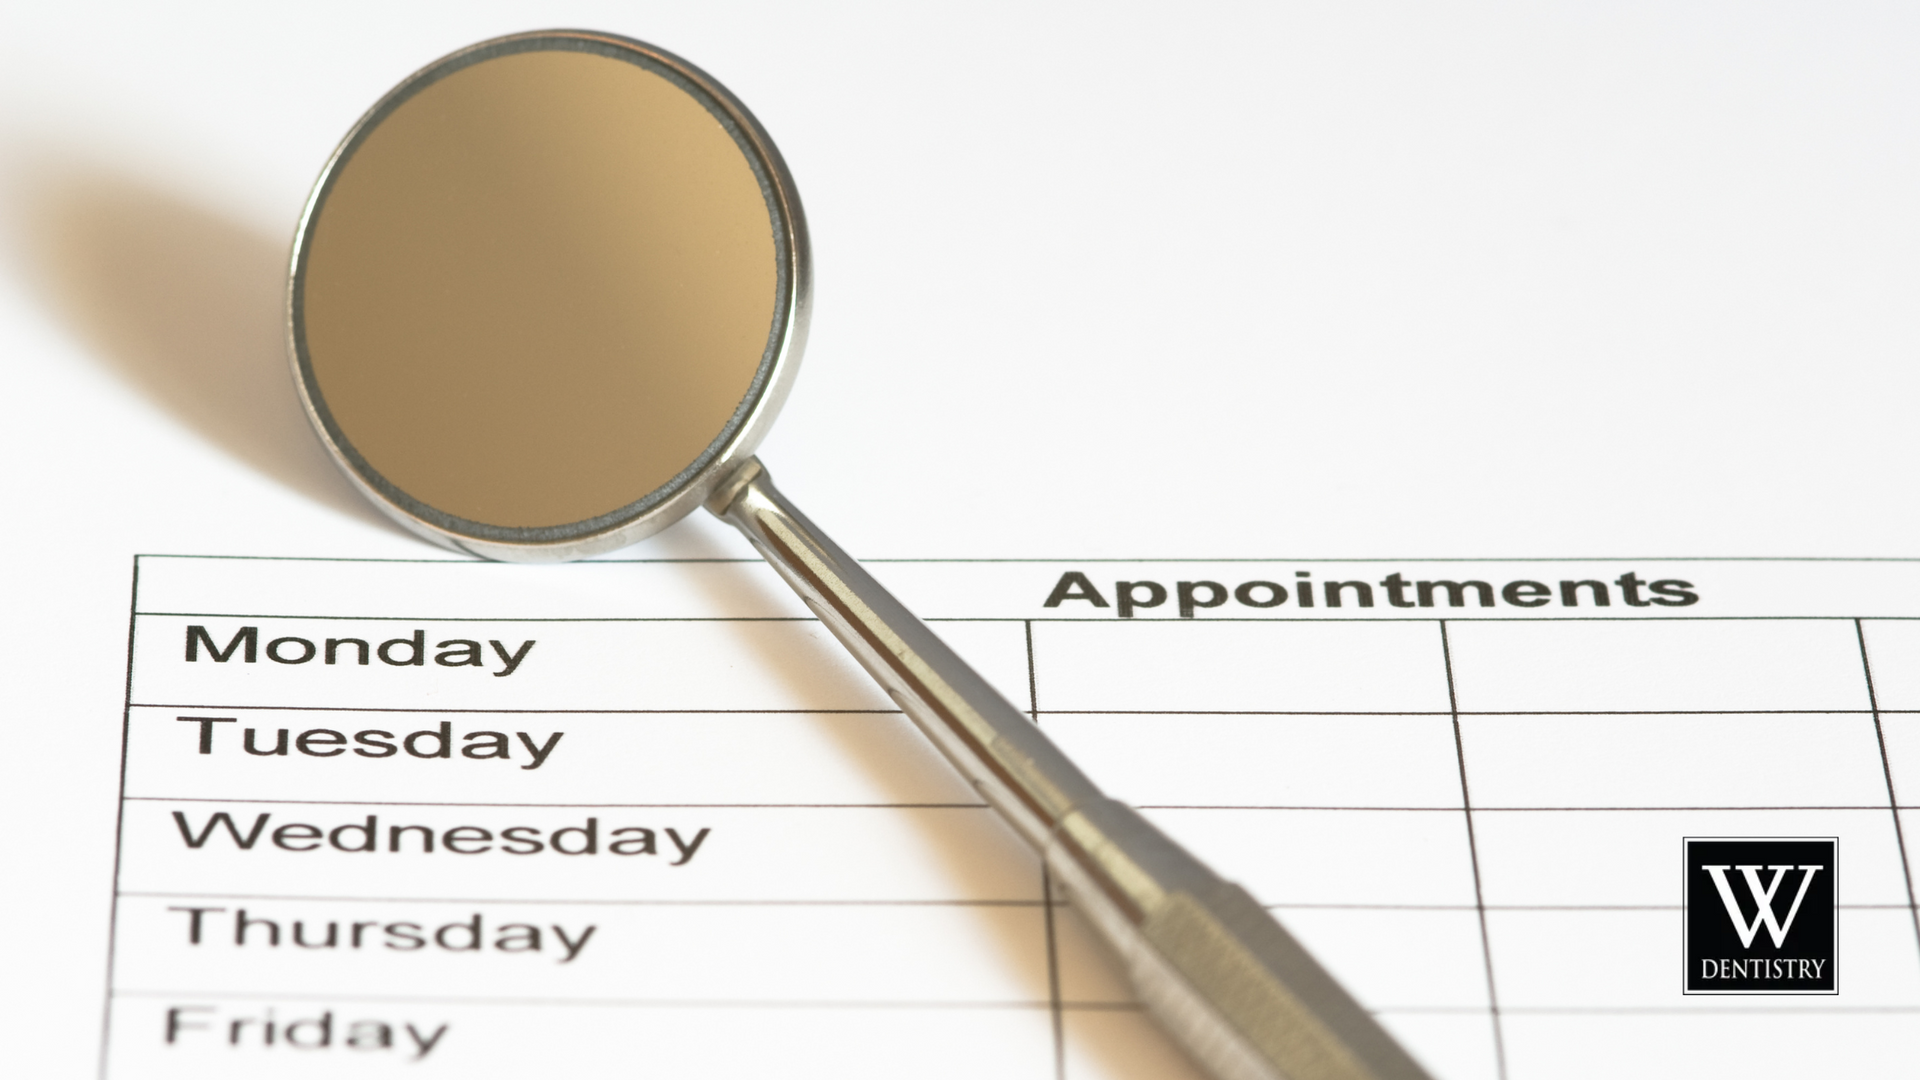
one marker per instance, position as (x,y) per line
(1902,734)
(1216,760)
(1675,760)
(1588,858)
(1121,1044)
(997,650)
(1623,959)
(1163,666)
(1386,958)
(1126,1044)
(1394,959)
(1778,1043)
(1666,666)
(1893,648)
(1452,1045)
(1089,973)
(1409,857)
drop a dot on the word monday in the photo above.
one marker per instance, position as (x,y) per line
(395,652)
(1191,597)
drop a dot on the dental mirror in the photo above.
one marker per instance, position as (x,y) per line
(547,297)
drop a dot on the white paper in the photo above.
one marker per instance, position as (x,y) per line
(1251,281)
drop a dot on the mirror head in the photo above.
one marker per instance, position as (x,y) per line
(547,293)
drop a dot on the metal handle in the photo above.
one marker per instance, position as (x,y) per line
(1233,987)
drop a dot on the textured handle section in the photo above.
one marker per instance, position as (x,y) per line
(1231,983)
(1224,978)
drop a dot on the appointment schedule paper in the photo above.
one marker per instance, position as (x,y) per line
(444,818)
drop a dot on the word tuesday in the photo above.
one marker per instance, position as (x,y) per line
(433,742)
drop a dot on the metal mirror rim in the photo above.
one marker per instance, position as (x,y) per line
(736,442)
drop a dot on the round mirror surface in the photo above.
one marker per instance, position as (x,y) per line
(543,285)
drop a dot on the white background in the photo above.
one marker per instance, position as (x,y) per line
(1179,281)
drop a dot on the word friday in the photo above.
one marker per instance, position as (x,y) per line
(266,1031)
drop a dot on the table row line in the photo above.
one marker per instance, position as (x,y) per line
(882,1043)
(1391,960)
(206,1037)
(721,854)
(1684,665)
(881,759)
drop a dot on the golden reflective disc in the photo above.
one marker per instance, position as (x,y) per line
(539,288)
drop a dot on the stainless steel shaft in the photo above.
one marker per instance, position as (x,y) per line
(1228,982)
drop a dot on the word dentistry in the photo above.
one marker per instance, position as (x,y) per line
(1192,597)
(1762,968)
(410,651)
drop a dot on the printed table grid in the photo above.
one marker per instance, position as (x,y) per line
(1437,871)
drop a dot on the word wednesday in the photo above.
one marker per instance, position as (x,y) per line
(401,652)
(357,836)
(1191,597)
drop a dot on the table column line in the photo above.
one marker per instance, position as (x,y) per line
(119,832)
(1886,771)
(1056,1014)
(1473,857)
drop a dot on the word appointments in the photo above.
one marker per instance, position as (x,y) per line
(1192,597)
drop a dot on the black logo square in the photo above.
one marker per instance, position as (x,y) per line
(1760,915)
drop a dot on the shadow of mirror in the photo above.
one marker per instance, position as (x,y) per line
(185,304)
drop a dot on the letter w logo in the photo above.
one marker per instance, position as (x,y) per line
(1762,900)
